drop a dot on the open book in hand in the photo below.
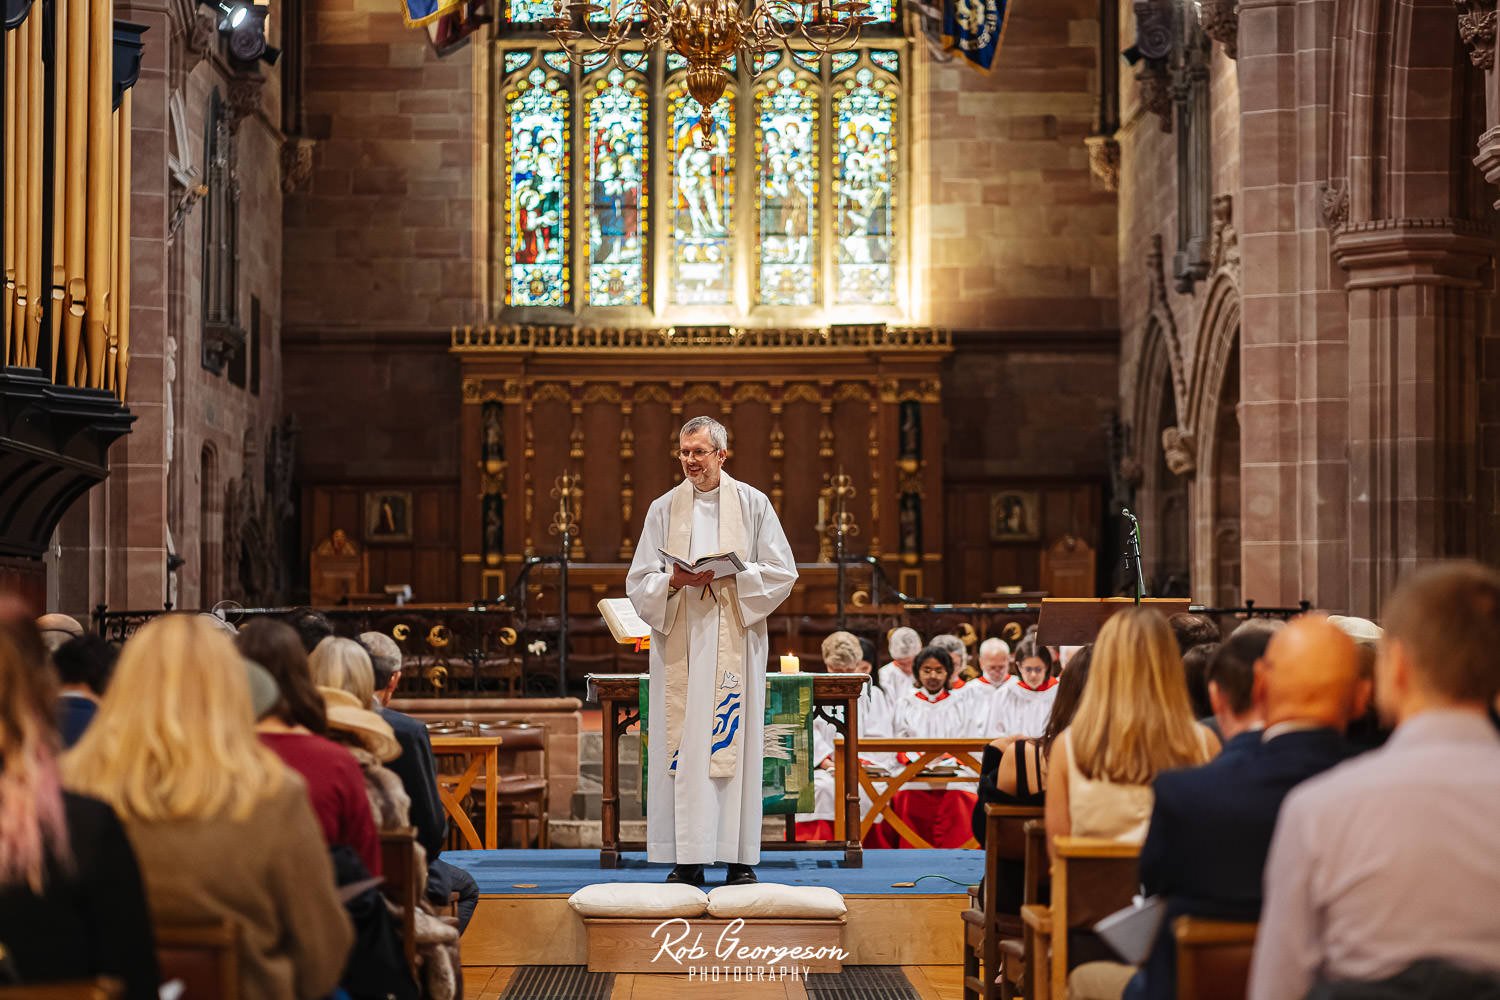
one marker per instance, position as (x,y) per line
(723,564)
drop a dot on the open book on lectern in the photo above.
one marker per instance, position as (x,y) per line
(625,624)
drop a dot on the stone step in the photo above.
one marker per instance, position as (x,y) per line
(585,833)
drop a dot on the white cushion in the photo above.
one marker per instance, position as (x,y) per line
(767,899)
(639,899)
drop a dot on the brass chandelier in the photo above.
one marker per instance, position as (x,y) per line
(706,33)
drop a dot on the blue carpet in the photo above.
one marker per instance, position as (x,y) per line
(564,872)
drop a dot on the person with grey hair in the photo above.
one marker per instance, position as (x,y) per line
(896,676)
(417,769)
(994,671)
(707,689)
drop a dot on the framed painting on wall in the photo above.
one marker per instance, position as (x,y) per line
(1015,516)
(387,516)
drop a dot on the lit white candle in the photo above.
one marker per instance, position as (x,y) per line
(790,664)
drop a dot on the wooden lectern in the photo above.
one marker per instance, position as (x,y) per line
(1076,621)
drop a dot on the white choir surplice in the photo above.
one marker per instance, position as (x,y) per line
(874,723)
(977,695)
(720,818)
(940,716)
(1017,710)
(895,681)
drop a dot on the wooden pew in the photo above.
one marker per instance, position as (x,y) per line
(404,884)
(984,924)
(1014,969)
(206,957)
(1213,958)
(1090,879)
(103,988)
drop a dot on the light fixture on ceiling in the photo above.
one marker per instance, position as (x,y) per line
(705,33)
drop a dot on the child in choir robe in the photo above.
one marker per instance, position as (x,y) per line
(896,676)
(994,673)
(844,654)
(938,812)
(1020,708)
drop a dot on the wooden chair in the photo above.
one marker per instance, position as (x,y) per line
(1013,964)
(984,924)
(522,795)
(1213,958)
(404,884)
(1090,879)
(102,988)
(205,957)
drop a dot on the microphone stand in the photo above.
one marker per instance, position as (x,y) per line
(1133,553)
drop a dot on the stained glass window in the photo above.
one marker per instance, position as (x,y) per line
(843,60)
(516,60)
(536,156)
(702,200)
(864,115)
(616,112)
(886,60)
(786,153)
(527,11)
(558,61)
(881,11)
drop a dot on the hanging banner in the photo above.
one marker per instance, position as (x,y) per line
(973,29)
(419,12)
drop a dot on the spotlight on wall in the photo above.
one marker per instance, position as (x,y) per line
(247,42)
(231,15)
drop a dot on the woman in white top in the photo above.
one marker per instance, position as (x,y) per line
(1133,722)
(1021,708)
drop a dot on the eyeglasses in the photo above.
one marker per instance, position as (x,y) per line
(697,454)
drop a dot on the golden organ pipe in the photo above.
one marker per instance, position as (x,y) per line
(36,282)
(76,201)
(12,74)
(21,112)
(59,187)
(101,84)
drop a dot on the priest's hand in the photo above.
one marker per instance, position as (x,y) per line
(682,578)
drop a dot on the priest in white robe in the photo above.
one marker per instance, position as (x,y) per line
(708,659)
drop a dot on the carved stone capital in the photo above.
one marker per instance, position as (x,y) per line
(1488,160)
(296,162)
(1333,204)
(1224,250)
(1104,160)
(1179,449)
(1155,87)
(244,97)
(1476,26)
(201,34)
(1220,20)
(1154,28)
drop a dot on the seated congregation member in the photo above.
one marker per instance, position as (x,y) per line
(417,769)
(1195,671)
(994,672)
(1192,630)
(312,627)
(1238,717)
(1133,722)
(84,666)
(57,629)
(1211,826)
(939,811)
(72,905)
(1018,775)
(1021,708)
(295,730)
(1014,772)
(1388,860)
(842,654)
(896,677)
(346,682)
(222,829)
(1366,732)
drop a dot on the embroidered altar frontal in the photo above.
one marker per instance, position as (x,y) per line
(787,768)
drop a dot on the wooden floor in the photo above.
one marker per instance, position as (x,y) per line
(932,982)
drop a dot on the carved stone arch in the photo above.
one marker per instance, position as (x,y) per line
(1157,407)
(1215,496)
(1159,315)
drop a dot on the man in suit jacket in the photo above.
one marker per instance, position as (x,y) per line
(417,769)
(1211,826)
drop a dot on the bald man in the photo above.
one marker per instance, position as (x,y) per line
(1211,826)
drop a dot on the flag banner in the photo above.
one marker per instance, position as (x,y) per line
(419,12)
(973,29)
(787,768)
(450,32)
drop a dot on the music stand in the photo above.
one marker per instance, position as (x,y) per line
(1076,621)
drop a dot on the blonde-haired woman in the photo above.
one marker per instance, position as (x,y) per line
(1133,722)
(343,664)
(222,828)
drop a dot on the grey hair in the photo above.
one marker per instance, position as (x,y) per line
(993,645)
(716,432)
